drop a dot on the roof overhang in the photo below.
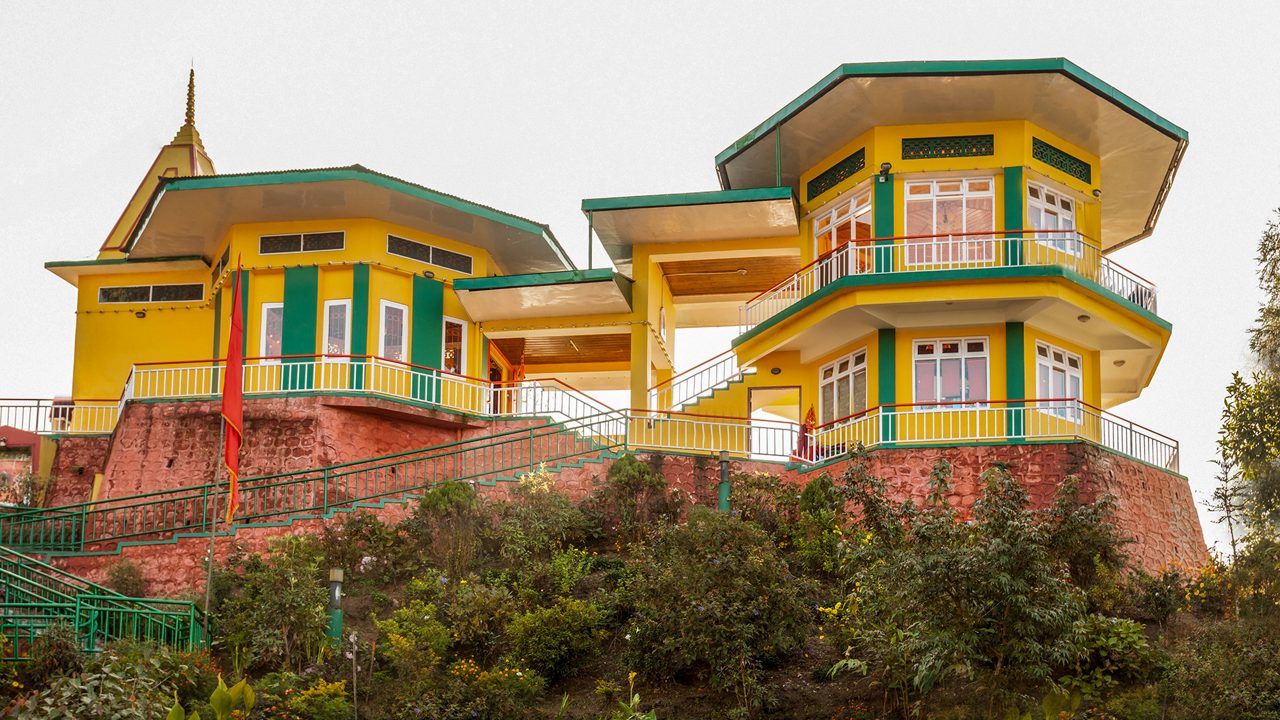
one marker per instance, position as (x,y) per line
(623,222)
(191,215)
(1139,150)
(541,295)
(72,270)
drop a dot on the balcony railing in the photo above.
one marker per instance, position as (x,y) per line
(702,379)
(60,417)
(937,253)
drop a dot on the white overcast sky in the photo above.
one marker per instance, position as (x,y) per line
(530,107)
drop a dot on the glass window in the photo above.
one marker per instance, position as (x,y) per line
(272,340)
(1053,215)
(307,242)
(848,220)
(393,341)
(842,387)
(950,370)
(949,221)
(1059,377)
(455,333)
(429,254)
(337,329)
(151,293)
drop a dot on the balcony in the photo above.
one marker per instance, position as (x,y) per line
(928,258)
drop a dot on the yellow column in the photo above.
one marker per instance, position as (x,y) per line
(643,294)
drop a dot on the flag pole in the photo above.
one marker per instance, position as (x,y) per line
(213,529)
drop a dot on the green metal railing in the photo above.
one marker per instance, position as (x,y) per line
(37,595)
(314,493)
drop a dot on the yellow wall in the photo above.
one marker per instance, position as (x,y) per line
(1089,360)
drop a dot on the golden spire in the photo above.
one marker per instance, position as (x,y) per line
(187,134)
(191,98)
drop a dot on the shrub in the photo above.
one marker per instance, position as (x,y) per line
(549,639)
(322,701)
(274,614)
(370,551)
(1209,591)
(1157,597)
(448,523)
(568,567)
(632,500)
(477,616)
(537,524)
(415,638)
(1227,670)
(55,652)
(125,577)
(766,501)
(714,596)
(1115,652)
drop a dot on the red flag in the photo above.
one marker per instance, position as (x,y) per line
(233,398)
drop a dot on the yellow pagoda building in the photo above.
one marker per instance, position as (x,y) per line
(916,257)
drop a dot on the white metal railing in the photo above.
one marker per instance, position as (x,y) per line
(697,381)
(934,253)
(59,417)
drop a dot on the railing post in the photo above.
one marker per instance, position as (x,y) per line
(324,475)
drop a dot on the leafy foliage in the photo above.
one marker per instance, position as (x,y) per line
(125,577)
(550,639)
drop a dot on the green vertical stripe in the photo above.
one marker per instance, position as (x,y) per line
(301,303)
(426,344)
(887,366)
(1013,218)
(882,221)
(360,310)
(244,313)
(1015,370)
(888,391)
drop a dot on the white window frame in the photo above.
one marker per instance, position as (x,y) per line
(1062,239)
(383,305)
(262,332)
(854,368)
(151,289)
(852,205)
(346,334)
(1052,364)
(462,359)
(963,355)
(964,242)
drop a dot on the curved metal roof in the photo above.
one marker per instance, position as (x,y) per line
(1139,150)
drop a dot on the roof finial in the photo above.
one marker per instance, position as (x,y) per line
(191,98)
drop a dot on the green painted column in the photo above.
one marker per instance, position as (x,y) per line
(301,306)
(244,313)
(426,336)
(359,323)
(1016,378)
(1013,217)
(882,208)
(887,392)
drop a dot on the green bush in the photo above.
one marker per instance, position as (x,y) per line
(448,522)
(765,500)
(414,638)
(632,500)
(1115,652)
(370,551)
(714,596)
(274,616)
(55,652)
(1227,670)
(537,523)
(549,639)
(322,701)
(477,616)
(1157,597)
(125,577)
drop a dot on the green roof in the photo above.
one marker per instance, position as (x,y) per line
(711,197)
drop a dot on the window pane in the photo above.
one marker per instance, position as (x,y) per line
(335,342)
(408,248)
(1073,389)
(453,347)
(828,402)
(279,244)
(452,260)
(393,328)
(925,387)
(949,386)
(140,293)
(1059,383)
(859,391)
(975,370)
(272,331)
(177,293)
(323,241)
(1043,387)
(844,403)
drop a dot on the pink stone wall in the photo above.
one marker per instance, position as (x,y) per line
(75,462)
(166,445)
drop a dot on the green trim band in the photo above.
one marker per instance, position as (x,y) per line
(1021,272)
(563,277)
(710,197)
(125,261)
